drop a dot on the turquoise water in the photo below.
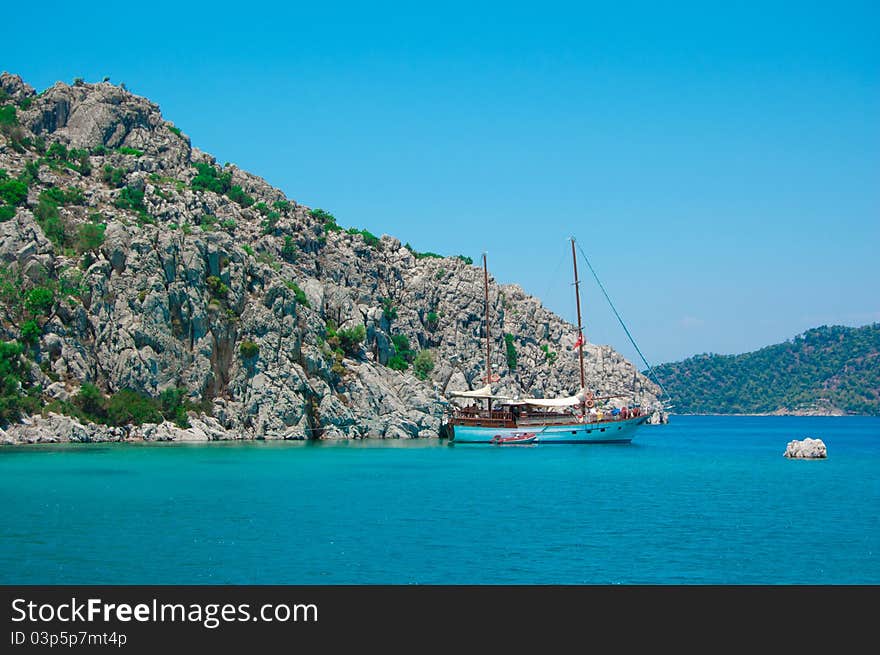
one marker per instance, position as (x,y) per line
(701,500)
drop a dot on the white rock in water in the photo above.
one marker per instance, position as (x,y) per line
(806,449)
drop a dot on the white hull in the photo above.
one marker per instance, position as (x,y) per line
(581,433)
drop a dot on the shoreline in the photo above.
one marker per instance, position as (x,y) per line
(787,414)
(168,434)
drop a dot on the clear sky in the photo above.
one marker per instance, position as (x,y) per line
(719,164)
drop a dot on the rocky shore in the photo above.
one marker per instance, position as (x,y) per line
(165,270)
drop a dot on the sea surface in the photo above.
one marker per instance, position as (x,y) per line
(701,500)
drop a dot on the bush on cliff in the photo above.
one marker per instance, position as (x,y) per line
(351,339)
(209,178)
(237,194)
(248,349)
(12,192)
(114,177)
(39,301)
(298,293)
(511,351)
(90,236)
(91,402)
(130,407)
(327,219)
(16,395)
(423,364)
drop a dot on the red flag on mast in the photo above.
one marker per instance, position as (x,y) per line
(579,342)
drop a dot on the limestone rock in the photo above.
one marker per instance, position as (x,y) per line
(806,449)
(235,299)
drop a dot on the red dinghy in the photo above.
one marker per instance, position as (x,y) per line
(513,439)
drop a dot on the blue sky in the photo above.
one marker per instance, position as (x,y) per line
(721,166)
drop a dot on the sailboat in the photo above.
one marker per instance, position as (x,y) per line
(573,419)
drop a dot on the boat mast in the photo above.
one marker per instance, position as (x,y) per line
(577,296)
(488,351)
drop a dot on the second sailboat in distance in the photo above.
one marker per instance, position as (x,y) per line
(574,419)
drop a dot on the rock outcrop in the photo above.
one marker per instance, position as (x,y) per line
(207,278)
(806,449)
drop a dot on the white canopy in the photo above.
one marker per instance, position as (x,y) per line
(570,401)
(484,392)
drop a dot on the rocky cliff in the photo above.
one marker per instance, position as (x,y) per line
(133,261)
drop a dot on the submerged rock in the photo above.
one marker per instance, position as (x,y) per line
(806,449)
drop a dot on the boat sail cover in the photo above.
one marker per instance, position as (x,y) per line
(569,401)
(483,392)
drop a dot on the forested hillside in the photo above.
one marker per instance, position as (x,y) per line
(826,370)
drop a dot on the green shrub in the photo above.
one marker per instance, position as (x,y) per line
(262,207)
(298,293)
(91,402)
(327,219)
(133,198)
(422,255)
(549,355)
(401,346)
(350,339)
(281,205)
(389,309)
(13,382)
(248,349)
(237,194)
(511,352)
(30,332)
(207,222)
(49,219)
(39,301)
(338,368)
(209,178)
(6,212)
(11,292)
(115,177)
(13,192)
(31,172)
(288,250)
(99,150)
(70,196)
(70,284)
(397,363)
(270,222)
(402,356)
(423,364)
(466,260)
(74,196)
(248,249)
(8,117)
(130,407)
(174,130)
(125,150)
(85,164)
(174,404)
(228,224)
(369,238)
(57,151)
(432,319)
(90,236)
(25,103)
(216,286)
(130,198)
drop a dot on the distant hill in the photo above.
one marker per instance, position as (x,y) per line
(826,370)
